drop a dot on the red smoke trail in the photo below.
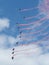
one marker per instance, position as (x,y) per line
(45,9)
(30,44)
(31,17)
(39,30)
(34,36)
(36,22)
(32,22)
(28,9)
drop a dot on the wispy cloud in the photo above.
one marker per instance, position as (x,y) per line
(6,40)
(3,40)
(44,59)
(30,54)
(4,23)
(34,56)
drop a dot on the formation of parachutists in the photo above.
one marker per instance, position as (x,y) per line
(42,19)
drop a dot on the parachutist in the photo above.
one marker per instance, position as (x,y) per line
(24,17)
(16,42)
(12,58)
(19,8)
(12,52)
(13,49)
(20,32)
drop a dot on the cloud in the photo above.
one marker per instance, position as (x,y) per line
(11,40)
(3,40)
(7,41)
(44,59)
(27,50)
(30,54)
(5,56)
(36,58)
(4,23)
(22,59)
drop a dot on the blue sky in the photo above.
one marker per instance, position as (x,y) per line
(33,20)
(10,9)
